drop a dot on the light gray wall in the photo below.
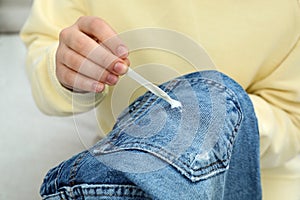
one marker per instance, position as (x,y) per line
(13,14)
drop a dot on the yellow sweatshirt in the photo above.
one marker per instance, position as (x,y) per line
(254,42)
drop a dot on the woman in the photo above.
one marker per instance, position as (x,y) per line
(255,43)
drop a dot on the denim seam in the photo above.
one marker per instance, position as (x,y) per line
(143,104)
(150,98)
(45,197)
(57,176)
(58,173)
(136,110)
(146,102)
(162,156)
(66,189)
(208,81)
(74,168)
(168,156)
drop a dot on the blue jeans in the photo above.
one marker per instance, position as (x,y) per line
(209,149)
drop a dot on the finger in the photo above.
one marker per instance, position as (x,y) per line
(87,47)
(127,61)
(77,41)
(99,29)
(97,73)
(76,81)
(78,63)
(107,60)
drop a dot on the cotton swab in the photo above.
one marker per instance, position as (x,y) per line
(153,88)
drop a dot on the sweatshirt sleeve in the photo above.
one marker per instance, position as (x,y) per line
(40,35)
(276,101)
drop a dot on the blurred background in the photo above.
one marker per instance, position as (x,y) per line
(30,142)
(13,14)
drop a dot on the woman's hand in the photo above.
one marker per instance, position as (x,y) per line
(90,55)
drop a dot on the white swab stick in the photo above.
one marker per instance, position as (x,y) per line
(153,88)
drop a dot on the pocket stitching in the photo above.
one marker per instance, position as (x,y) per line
(172,159)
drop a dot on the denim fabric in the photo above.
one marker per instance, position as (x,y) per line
(209,149)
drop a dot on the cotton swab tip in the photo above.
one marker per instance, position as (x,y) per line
(175,104)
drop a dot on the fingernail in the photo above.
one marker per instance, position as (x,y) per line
(120,68)
(98,87)
(112,79)
(122,51)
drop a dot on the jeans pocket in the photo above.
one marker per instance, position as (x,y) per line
(196,140)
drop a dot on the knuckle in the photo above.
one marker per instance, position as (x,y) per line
(58,55)
(64,56)
(96,22)
(108,59)
(72,60)
(76,62)
(80,42)
(80,19)
(101,75)
(68,78)
(59,73)
(63,35)
(62,75)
